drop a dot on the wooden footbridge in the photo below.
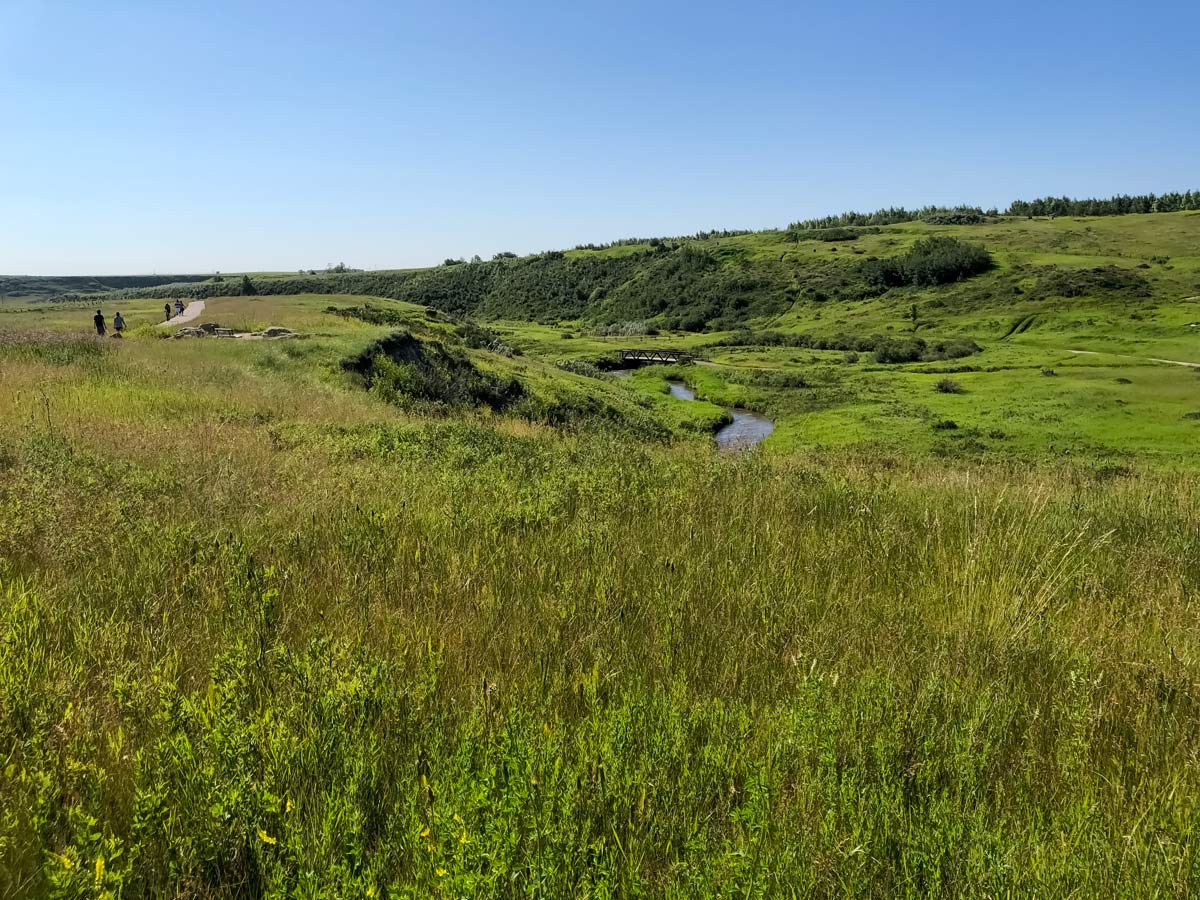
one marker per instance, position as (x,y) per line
(655,356)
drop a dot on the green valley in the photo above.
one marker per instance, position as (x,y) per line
(433,596)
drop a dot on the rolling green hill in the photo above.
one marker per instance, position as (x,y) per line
(49,287)
(357,614)
(1048,331)
(412,603)
(717,283)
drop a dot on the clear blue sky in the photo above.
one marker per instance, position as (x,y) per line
(187,136)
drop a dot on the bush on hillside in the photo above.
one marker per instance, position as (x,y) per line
(959,215)
(828,235)
(1055,281)
(477,337)
(580,367)
(622,329)
(932,261)
(410,372)
(886,349)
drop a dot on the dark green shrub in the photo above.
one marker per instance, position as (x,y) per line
(900,351)
(405,370)
(477,337)
(959,215)
(1055,281)
(827,235)
(932,261)
(886,349)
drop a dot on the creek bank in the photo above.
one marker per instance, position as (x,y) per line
(747,429)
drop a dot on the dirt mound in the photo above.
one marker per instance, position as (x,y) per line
(405,369)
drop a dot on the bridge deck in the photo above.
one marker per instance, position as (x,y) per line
(663,356)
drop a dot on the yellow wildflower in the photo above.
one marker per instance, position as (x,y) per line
(265,838)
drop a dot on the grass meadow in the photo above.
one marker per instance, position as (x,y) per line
(263,634)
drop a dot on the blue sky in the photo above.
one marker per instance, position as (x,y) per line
(177,136)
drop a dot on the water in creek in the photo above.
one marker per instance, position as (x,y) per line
(746,430)
(681,391)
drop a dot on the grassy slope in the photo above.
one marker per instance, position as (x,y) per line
(261,633)
(1011,409)
(1114,409)
(46,287)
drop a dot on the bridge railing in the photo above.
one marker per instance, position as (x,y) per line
(655,355)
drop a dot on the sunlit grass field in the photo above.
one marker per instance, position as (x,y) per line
(265,634)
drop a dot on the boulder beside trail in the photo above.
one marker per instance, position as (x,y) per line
(275,332)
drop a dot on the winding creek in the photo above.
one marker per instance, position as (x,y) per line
(745,431)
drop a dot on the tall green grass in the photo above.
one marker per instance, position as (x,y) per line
(293,643)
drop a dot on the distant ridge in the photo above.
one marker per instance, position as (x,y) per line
(49,286)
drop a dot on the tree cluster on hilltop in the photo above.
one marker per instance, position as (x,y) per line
(667,242)
(894,215)
(1121,205)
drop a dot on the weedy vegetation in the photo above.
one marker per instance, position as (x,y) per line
(416,605)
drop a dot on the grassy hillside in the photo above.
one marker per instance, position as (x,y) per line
(1070,322)
(423,605)
(263,630)
(49,287)
(724,282)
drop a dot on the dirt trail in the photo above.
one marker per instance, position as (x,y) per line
(1169,362)
(193,311)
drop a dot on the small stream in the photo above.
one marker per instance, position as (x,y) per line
(745,431)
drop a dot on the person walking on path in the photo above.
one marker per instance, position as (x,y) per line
(179,307)
(167,310)
(118,323)
(98,318)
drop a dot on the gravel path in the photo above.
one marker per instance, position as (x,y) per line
(1169,362)
(192,311)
